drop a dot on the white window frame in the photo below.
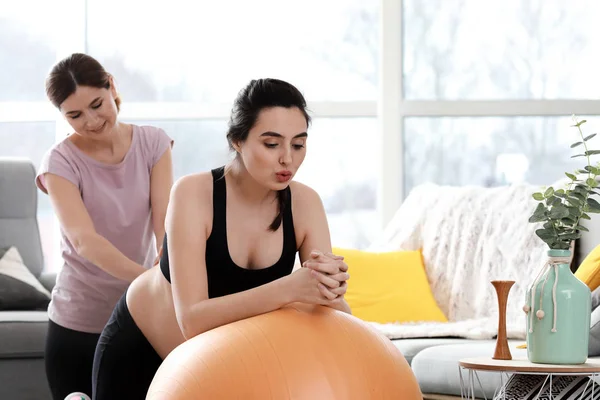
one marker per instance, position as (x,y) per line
(394,108)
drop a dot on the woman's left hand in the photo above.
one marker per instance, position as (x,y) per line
(331,270)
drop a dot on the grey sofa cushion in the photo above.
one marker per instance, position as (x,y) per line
(594,343)
(589,240)
(411,347)
(18,210)
(595,298)
(19,289)
(436,368)
(23,339)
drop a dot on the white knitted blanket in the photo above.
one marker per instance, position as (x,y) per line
(468,236)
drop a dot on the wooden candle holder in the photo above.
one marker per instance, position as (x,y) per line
(502,350)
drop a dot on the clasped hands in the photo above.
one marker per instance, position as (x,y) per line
(331,273)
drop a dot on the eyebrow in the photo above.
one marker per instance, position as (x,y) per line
(76,111)
(278,135)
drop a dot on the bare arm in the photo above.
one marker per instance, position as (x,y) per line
(315,226)
(79,229)
(189,210)
(315,231)
(161,181)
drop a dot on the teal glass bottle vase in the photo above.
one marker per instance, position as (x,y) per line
(558,315)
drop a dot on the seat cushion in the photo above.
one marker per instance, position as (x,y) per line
(436,369)
(411,347)
(23,334)
(24,378)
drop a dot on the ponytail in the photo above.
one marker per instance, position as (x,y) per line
(282,199)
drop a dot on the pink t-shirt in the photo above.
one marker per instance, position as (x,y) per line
(117,198)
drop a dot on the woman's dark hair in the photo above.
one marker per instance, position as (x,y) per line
(76,70)
(258,95)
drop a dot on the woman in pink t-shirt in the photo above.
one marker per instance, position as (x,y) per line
(109,184)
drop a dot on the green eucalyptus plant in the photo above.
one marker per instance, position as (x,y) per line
(562,210)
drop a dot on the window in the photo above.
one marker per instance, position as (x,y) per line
(516,49)
(199,145)
(207,51)
(491,151)
(482,92)
(342,166)
(328,50)
(423,75)
(27,49)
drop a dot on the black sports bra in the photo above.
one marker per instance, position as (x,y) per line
(223,275)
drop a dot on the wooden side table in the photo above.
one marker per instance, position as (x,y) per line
(509,369)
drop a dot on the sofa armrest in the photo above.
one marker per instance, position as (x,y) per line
(48,279)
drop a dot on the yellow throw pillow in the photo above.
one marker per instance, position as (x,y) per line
(389,287)
(589,270)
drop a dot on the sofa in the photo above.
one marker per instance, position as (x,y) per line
(434,361)
(22,332)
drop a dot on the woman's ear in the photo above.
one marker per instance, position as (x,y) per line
(237,147)
(113,86)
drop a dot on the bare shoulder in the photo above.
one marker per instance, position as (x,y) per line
(192,193)
(304,199)
(192,185)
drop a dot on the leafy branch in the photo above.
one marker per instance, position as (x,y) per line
(562,210)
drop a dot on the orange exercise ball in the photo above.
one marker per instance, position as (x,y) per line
(299,352)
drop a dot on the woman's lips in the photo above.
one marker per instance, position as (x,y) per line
(100,129)
(283,176)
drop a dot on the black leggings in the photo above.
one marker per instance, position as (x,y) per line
(69,355)
(125,362)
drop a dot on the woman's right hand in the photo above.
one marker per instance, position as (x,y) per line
(305,286)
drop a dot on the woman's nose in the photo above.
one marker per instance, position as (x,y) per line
(286,157)
(93,121)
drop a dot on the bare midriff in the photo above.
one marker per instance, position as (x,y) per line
(150,302)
